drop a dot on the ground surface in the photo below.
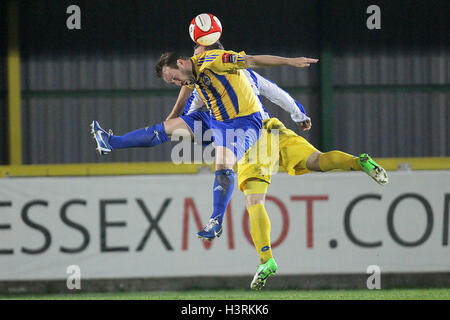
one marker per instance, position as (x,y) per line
(404,294)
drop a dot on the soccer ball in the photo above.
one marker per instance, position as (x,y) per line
(205,29)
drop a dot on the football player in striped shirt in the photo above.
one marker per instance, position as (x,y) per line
(295,154)
(234,108)
(251,181)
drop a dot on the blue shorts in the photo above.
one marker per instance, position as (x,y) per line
(237,134)
(199,124)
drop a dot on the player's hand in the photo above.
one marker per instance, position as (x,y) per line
(306,125)
(302,62)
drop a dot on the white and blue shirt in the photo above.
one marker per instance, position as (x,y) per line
(262,87)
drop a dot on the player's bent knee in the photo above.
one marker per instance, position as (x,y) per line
(177,127)
(224,166)
(225,158)
(252,199)
(313,161)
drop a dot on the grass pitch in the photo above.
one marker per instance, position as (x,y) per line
(388,294)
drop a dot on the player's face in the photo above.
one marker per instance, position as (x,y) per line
(180,77)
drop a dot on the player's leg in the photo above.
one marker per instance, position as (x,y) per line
(255,172)
(145,137)
(335,159)
(331,160)
(232,140)
(222,190)
(255,192)
(199,123)
(298,156)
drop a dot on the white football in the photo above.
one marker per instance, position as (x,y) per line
(205,29)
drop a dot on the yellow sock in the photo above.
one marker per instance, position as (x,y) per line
(260,231)
(338,160)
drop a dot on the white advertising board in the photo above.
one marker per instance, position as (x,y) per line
(145,226)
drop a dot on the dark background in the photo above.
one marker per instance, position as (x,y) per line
(390,87)
(127,26)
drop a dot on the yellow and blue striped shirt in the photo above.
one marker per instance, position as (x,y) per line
(224,88)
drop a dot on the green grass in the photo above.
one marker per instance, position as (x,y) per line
(391,294)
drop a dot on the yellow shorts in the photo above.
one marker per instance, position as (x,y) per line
(276,147)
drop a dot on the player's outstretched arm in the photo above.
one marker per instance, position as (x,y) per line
(283,99)
(260,61)
(184,94)
(280,97)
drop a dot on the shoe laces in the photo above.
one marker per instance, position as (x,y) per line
(364,158)
(211,224)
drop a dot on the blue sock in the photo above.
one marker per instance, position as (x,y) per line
(222,191)
(145,137)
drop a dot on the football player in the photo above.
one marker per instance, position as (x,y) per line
(295,154)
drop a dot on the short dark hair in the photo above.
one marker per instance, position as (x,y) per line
(168,59)
(214,46)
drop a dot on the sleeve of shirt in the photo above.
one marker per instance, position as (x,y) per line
(281,98)
(222,61)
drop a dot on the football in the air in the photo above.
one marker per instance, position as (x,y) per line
(205,29)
